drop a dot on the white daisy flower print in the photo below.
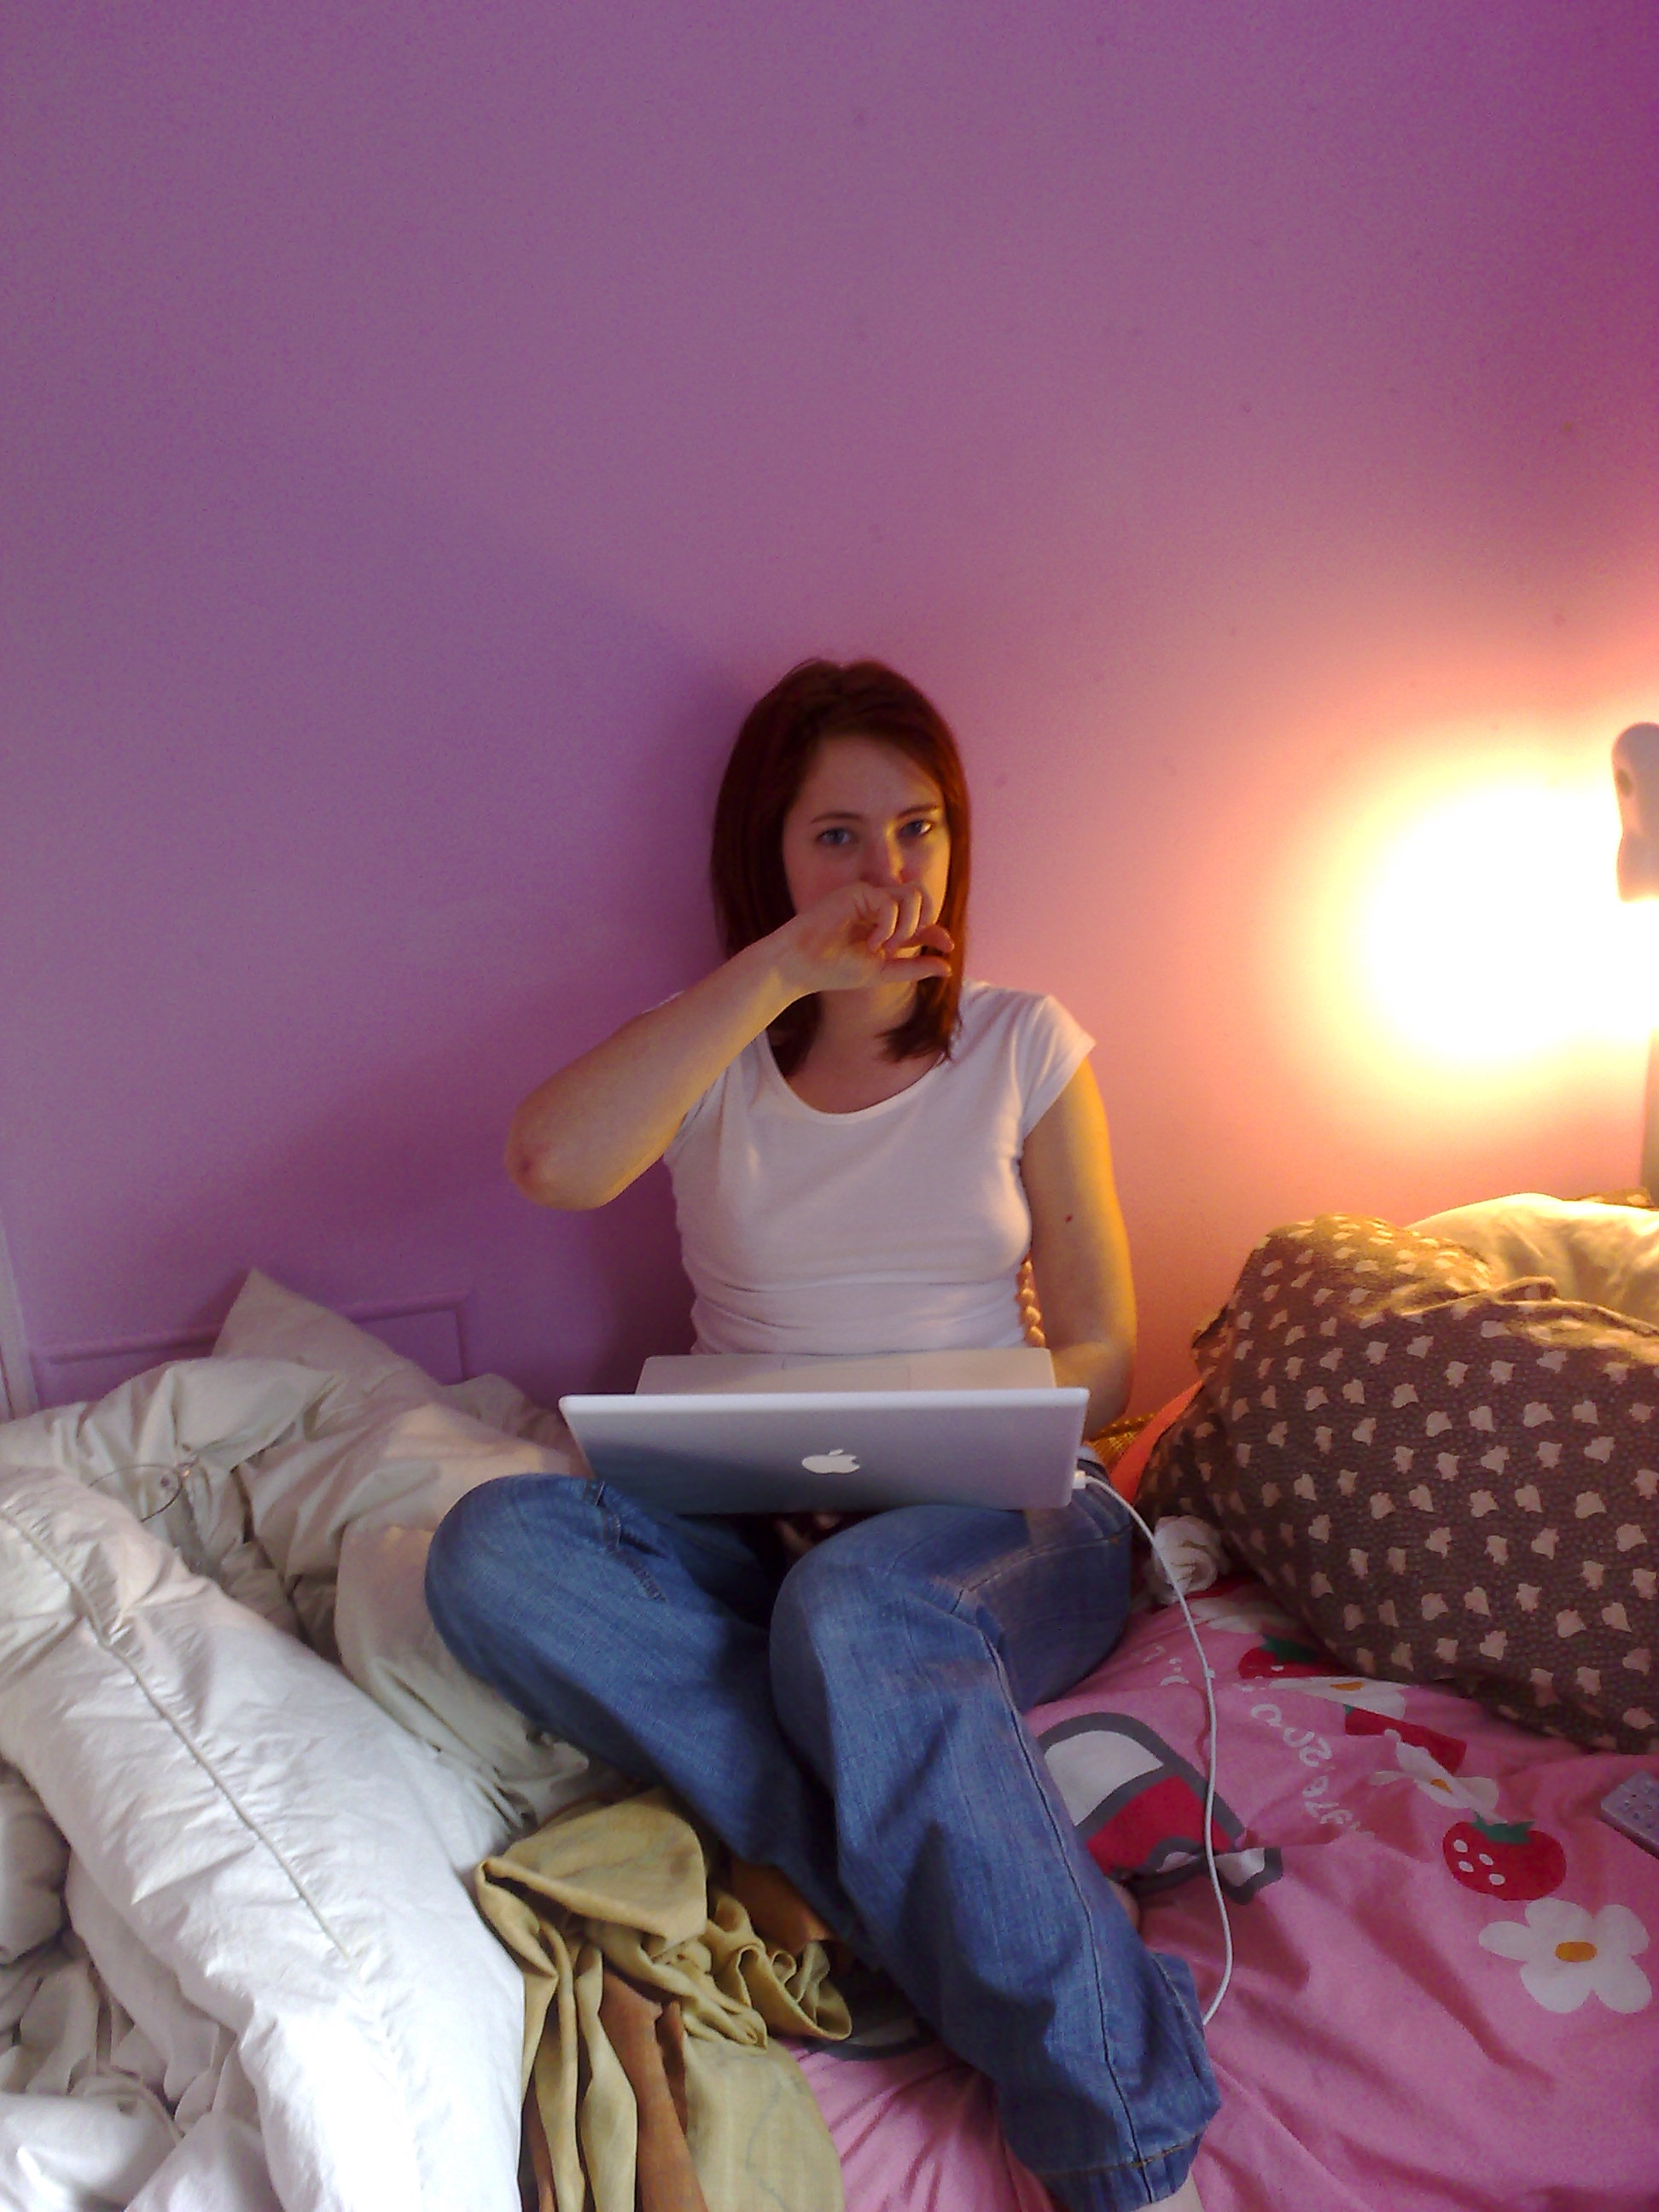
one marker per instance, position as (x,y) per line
(1568,1955)
(1242,1613)
(1467,1793)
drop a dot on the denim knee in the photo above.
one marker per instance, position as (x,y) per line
(481,1549)
(838,1602)
(846,1631)
(469,1535)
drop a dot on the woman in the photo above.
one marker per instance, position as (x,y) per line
(864,1151)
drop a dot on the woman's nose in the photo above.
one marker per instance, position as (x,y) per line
(884,862)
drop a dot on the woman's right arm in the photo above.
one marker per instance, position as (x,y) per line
(587,1131)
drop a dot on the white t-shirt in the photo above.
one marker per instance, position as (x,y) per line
(898,1228)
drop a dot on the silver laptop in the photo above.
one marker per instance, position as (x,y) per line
(771,1434)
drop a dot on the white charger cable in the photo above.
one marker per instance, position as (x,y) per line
(1165,1554)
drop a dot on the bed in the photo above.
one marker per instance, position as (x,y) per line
(239,1966)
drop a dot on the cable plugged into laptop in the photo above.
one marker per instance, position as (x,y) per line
(1186,1555)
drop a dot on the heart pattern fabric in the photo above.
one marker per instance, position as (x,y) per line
(1448,1477)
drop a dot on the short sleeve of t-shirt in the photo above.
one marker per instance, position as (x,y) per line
(1049,1048)
(709,1105)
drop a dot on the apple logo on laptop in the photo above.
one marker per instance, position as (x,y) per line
(830,1462)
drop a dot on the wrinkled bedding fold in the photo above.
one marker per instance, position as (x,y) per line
(651,2010)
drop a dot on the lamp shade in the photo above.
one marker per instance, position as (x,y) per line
(1636,778)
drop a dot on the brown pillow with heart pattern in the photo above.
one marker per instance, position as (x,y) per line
(1448,1477)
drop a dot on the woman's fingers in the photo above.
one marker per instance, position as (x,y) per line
(856,932)
(800,1533)
(795,1541)
(910,931)
(886,928)
(897,909)
(928,953)
(940,940)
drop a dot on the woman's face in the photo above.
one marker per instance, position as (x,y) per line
(866,813)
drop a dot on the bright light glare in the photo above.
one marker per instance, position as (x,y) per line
(1490,930)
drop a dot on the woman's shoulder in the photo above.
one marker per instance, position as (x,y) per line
(986,1008)
(1023,1039)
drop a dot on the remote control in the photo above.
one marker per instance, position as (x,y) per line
(1633,1809)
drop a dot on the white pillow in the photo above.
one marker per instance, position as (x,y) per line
(81,2154)
(259,1825)
(188,2050)
(353,1459)
(267,1321)
(346,1504)
(200,1417)
(1597,1255)
(190,1410)
(382,1444)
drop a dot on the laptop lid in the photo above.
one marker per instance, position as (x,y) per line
(797,1448)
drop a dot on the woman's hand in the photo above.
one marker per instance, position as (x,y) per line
(859,934)
(800,1533)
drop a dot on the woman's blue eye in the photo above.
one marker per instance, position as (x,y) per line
(833,837)
(922,827)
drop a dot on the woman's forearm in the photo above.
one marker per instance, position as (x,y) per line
(587,1131)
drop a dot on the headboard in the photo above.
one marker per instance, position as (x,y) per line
(17,1393)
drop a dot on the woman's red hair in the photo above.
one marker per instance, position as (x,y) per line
(772,757)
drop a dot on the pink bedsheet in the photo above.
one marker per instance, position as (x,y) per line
(1442,1995)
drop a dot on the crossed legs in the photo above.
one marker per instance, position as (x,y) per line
(858,1726)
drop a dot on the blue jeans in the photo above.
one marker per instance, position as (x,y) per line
(858,1726)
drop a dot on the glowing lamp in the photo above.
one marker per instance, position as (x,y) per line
(1636,779)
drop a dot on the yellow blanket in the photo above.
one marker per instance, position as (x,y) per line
(654,2084)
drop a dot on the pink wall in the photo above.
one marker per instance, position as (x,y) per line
(428,426)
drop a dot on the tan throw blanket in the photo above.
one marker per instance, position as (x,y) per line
(653,2081)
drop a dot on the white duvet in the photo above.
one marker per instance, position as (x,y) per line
(239,1965)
